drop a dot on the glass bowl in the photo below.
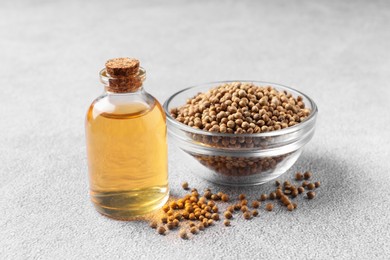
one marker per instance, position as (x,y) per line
(256,159)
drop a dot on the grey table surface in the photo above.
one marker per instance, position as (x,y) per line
(335,51)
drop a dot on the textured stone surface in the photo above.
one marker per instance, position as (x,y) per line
(335,51)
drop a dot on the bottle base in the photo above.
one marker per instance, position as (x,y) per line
(130,204)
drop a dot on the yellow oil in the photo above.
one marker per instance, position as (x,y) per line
(127,158)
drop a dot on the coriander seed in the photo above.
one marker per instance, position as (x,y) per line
(194,230)
(165,208)
(237,207)
(311,195)
(307,175)
(311,186)
(228,214)
(263,197)
(255,213)
(201,226)
(161,230)
(290,207)
(185,186)
(215,197)
(247,215)
(153,224)
(298,176)
(225,198)
(255,204)
(164,219)
(241,197)
(226,222)
(269,206)
(183,234)
(230,209)
(170,225)
(244,209)
(317,184)
(215,216)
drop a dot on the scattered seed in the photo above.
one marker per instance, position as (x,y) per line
(194,230)
(298,176)
(171,225)
(215,197)
(228,214)
(290,207)
(184,185)
(207,194)
(230,209)
(210,222)
(165,208)
(237,207)
(263,197)
(183,234)
(255,213)
(244,202)
(201,226)
(215,216)
(305,183)
(269,206)
(311,195)
(277,183)
(244,209)
(226,222)
(161,230)
(247,215)
(211,203)
(255,204)
(295,205)
(225,198)
(317,184)
(272,195)
(294,193)
(286,183)
(153,224)
(311,186)
(164,219)
(307,175)
(301,190)
(241,196)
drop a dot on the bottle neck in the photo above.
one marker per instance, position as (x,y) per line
(129,84)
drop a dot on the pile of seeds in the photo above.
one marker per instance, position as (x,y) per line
(240,108)
(195,212)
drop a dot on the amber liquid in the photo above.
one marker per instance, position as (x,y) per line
(127,158)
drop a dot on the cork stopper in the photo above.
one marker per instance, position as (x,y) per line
(122,67)
(123,73)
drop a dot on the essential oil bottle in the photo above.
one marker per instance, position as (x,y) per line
(126,144)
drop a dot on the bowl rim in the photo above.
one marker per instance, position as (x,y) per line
(287,130)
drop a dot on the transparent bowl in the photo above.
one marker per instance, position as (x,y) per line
(256,159)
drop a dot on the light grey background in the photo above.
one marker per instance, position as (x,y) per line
(335,51)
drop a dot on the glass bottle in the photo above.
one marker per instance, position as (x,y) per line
(126,144)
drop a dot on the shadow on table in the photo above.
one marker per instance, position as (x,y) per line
(335,174)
